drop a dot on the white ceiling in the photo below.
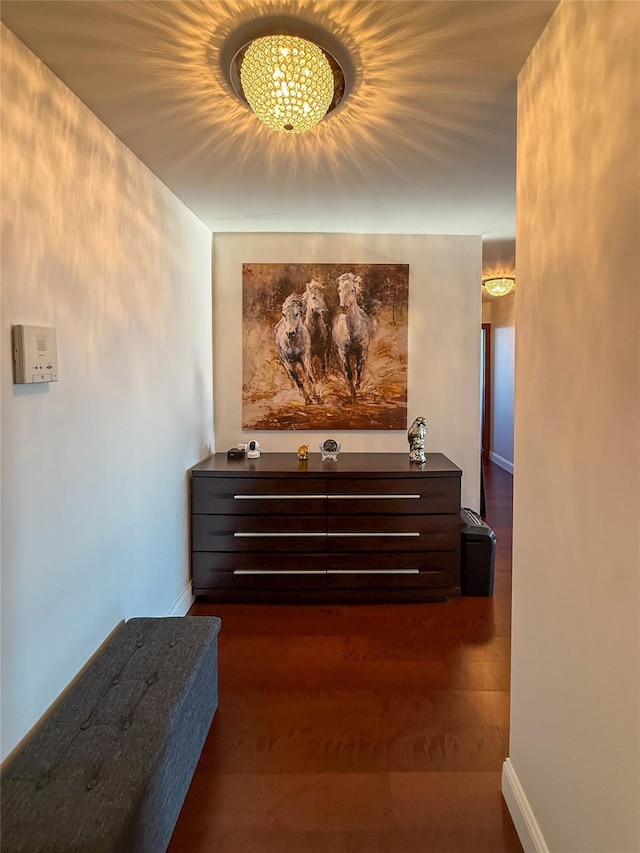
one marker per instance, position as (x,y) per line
(425,142)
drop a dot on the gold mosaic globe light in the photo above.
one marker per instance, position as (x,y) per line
(287,82)
(499,286)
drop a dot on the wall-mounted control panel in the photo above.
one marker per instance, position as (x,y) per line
(35,354)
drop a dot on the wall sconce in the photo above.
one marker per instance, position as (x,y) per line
(499,286)
(290,72)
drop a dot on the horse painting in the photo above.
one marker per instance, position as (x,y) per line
(324,346)
(352,331)
(314,320)
(293,343)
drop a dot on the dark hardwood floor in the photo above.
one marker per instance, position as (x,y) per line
(360,729)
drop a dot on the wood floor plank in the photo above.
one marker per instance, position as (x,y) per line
(327,802)
(469,820)
(363,841)
(355,748)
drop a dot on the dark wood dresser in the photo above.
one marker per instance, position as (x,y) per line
(369,527)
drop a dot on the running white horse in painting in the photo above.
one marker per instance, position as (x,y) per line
(314,320)
(353,330)
(293,344)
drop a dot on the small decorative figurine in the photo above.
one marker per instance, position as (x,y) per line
(329,449)
(303,452)
(416,435)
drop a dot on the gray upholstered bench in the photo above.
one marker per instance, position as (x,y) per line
(110,768)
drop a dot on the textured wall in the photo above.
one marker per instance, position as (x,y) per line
(575,739)
(94,522)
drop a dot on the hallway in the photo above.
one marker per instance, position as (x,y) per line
(361,729)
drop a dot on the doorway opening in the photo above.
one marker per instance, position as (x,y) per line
(485,406)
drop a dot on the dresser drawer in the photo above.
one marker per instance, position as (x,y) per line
(413,496)
(257,562)
(259,532)
(257,571)
(392,532)
(436,570)
(258,496)
(250,581)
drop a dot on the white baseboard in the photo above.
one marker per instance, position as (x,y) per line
(501,461)
(523,817)
(184,602)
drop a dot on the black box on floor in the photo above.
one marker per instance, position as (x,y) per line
(478,555)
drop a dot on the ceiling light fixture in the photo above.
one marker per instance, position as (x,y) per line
(499,286)
(287,81)
(287,71)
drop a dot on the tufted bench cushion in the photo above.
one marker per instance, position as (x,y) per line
(110,767)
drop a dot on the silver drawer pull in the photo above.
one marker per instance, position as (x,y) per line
(397,535)
(277,497)
(276,535)
(279,572)
(371,497)
(318,535)
(324,497)
(373,571)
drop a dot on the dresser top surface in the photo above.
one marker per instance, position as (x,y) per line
(347,465)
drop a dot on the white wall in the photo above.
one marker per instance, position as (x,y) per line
(444,338)
(94,522)
(503,312)
(575,737)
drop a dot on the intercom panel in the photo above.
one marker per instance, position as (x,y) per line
(35,354)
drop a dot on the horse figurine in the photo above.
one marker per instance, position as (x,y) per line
(352,331)
(293,344)
(314,320)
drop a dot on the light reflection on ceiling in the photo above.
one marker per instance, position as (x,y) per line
(425,143)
